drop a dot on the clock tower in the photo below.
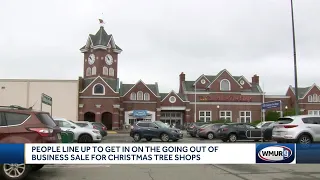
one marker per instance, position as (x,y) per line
(100,56)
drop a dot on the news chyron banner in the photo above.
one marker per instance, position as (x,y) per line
(162,153)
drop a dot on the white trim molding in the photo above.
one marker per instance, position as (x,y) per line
(135,86)
(276,96)
(95,97)
(172,91)
(220,73)
(140,102)
(81,105)
(102,81)
(158,109)
(202,76)
(99,94)
(98,105)
(229,103)
(172,108)
(116,106)
(188,109)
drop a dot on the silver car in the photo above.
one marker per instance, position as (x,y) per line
(81,134)
(303,129)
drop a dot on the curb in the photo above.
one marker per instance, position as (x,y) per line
(122,132)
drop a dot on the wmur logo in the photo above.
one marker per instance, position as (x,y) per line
(275,153)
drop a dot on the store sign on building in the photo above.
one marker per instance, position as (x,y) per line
(139,113)
(225,99)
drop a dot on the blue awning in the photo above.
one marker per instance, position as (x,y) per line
(140,113)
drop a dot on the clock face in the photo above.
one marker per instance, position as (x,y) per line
(109,59)
(91,59)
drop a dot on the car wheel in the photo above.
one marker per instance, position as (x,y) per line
(85,139)
(148,139)
(304,139)
(14,171)
(136,137)
(232,137)
(164,137)
(37,167)
(210,135)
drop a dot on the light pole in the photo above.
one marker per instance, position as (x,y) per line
(296,104)
(195,102)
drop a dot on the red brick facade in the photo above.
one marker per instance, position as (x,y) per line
(103,98)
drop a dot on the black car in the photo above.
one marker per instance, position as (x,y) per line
(157,129)
(267,131)
(239,131)
(193,128)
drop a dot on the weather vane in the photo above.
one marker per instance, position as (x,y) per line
(101,21)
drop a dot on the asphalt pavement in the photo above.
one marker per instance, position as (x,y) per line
(178,172)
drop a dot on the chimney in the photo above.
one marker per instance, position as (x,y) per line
(255,79)
(182,77)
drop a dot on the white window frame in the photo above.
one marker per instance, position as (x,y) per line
(139,95)
(319,98)
(229,89)
(94,70)
(133,96)
(101,94)
(88,71)
(111,72)
(315,98)
(225,116)
(310,99)
(205,116)
(105,71)
(146,96)
(245,116)
(312,112)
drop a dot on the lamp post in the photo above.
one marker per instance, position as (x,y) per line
(195,102)
(286,110)
(296,104)
(218,107)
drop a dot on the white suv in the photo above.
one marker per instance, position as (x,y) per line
(303,129)
(81,134)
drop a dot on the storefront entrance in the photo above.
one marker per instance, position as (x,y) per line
(138,115)
(172,117)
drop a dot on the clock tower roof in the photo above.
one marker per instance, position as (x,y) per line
(100,40)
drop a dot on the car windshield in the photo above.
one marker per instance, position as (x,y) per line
(161,124)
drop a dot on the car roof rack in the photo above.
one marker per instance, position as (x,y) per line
(15,107)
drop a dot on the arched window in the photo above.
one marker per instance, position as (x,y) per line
(94,70)
(105,70)
(88,71)
(133,96)
(315,98)
(225,85)
(310,98)
(146,96)
(140,95)
(111,72)
(98,89)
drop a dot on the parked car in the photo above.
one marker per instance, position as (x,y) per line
(24,125)
(157,129)
(303,129)
(267,131)
(193,127)
(239,131)
(81,134)
(94,125)
(209,131)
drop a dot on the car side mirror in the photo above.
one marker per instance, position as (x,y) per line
(73,127)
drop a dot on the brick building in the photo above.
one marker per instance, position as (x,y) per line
(103,98)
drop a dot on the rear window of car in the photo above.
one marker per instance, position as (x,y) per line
(98,124)
(82,124)
(46,119)
(284,120)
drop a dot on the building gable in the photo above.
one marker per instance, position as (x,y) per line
(224,74)
(244,82)
(202,82)
(152,89)
(88,90)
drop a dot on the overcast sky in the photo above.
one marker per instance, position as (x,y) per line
(160,39)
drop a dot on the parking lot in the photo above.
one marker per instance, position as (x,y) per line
(179,172)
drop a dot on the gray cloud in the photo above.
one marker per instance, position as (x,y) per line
(161,39)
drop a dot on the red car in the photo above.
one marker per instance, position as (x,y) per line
(24,125)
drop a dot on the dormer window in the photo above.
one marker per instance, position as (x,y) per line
(146,96)
(133,96)
(225,85)
(315,98)
(140,95)
(310,98)
(98,89)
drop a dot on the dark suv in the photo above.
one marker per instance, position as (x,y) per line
(24,125)
(157,129)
